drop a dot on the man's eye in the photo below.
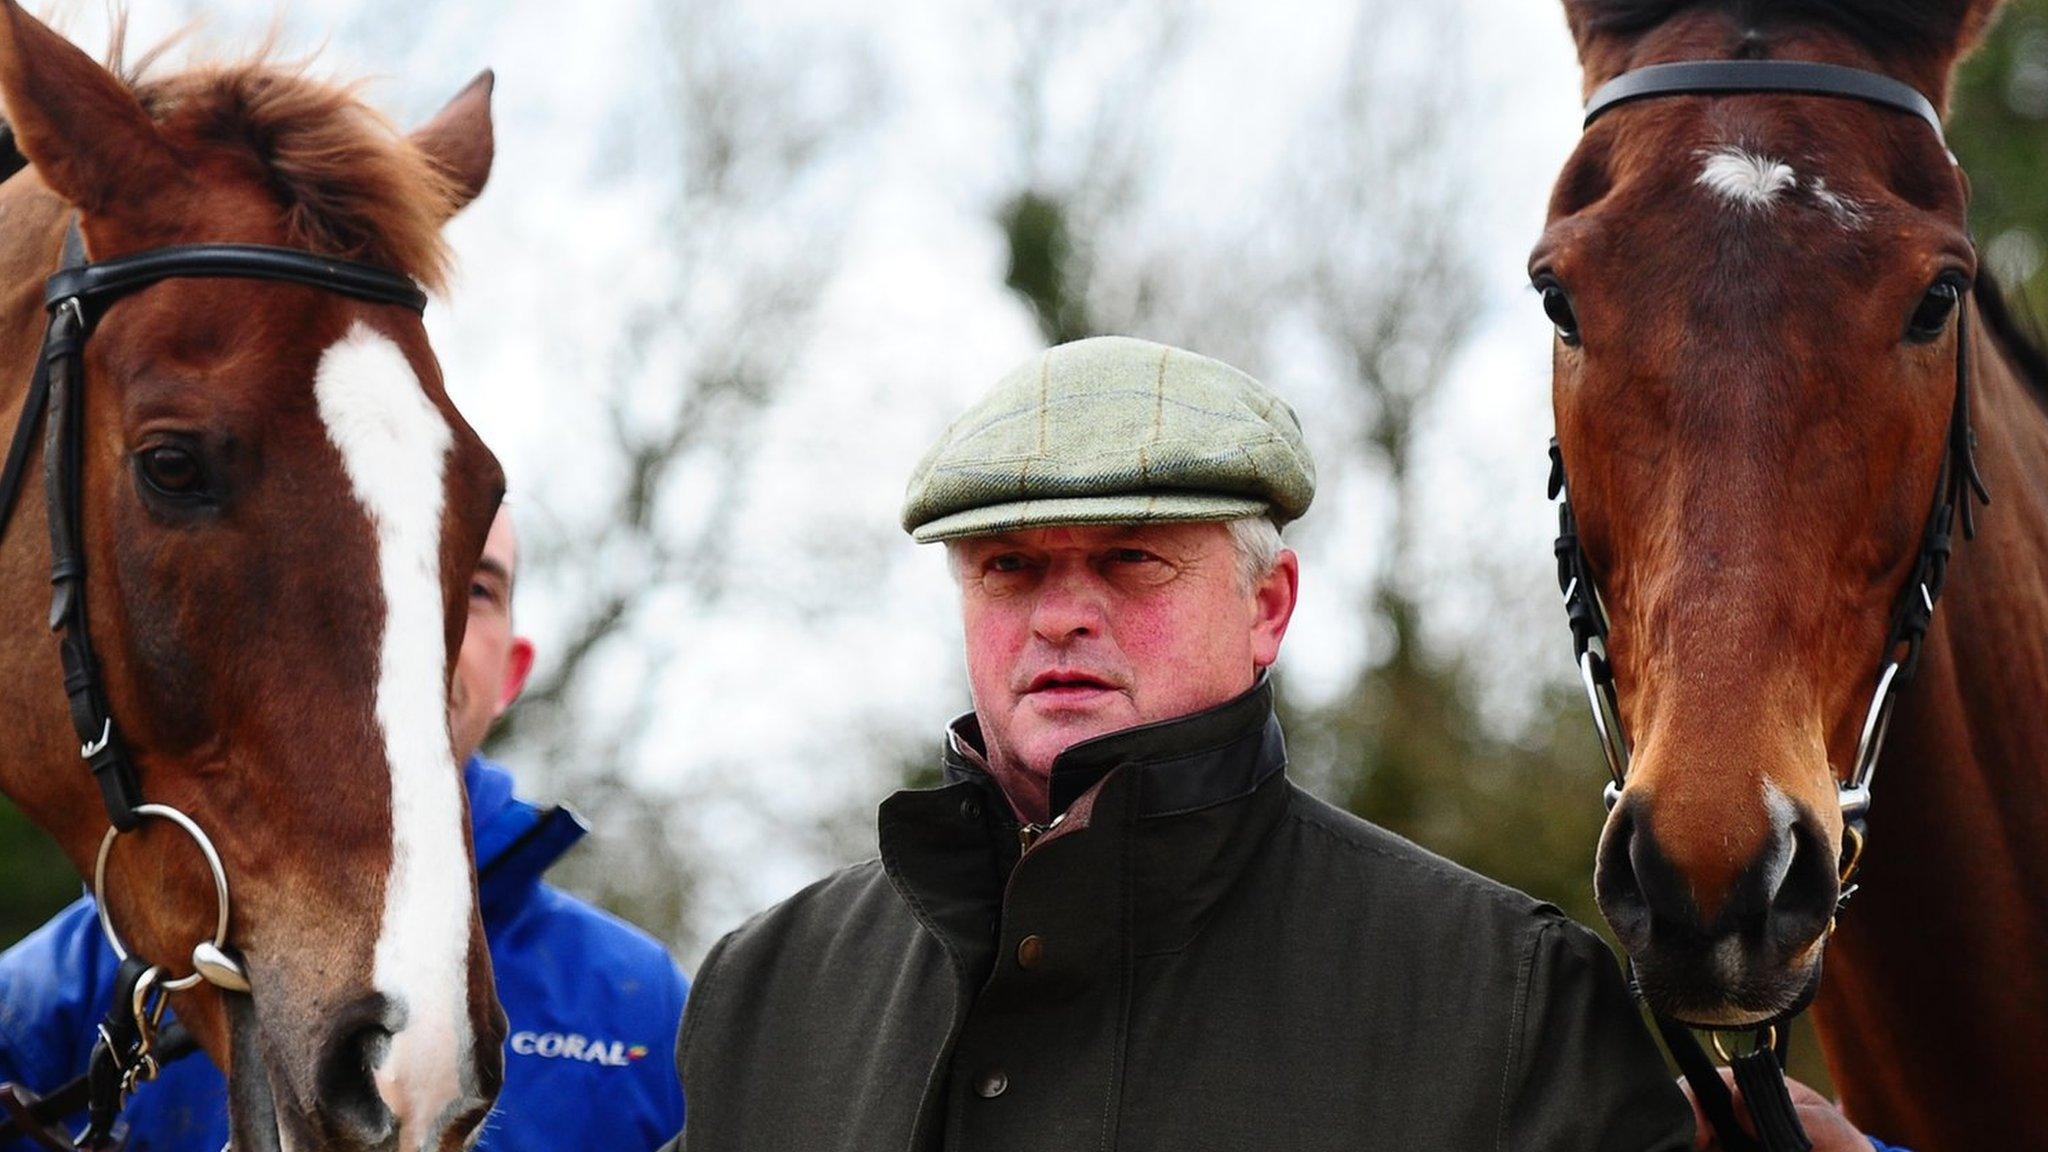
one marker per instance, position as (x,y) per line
(1008,562)
(1132,556)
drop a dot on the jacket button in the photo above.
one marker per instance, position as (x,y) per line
(970,810)
(1030,952)
(992,1084)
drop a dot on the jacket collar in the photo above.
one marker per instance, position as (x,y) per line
(515,841)
(1156,824)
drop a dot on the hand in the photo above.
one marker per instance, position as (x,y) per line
(1824,1123)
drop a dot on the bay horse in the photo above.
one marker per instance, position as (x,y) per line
(273,513)
(1769,359)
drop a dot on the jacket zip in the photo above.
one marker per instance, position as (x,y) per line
(1029,834)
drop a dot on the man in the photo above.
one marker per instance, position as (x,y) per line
(592,1002)
(1117,925)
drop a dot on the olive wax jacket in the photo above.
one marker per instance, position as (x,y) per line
(1197,955)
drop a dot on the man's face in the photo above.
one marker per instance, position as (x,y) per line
(1074,632)
(492,666)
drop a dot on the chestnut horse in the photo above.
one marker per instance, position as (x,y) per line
(1763,305)
(278,513)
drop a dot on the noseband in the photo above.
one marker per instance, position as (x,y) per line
(76,296)
(1760,1072)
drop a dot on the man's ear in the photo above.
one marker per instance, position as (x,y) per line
(460,140)
(79,125)
(1273,600)
(518,666)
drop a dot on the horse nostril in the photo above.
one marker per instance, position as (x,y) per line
(348,1088)
(1805,901)
(1615,884)
(1640,891)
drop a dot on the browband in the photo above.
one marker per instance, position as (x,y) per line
(96,285)
(1705,77)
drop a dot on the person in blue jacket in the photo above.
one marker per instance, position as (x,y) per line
(592,1002)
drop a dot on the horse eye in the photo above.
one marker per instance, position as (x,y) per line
(1931,317)
(1558,307)
(171,471)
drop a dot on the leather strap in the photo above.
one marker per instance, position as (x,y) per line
(1575,572)
(99,284)
(1735,77)
(41,1117)
(91,719)
(1761,1077)
(23,1114)
(1707,1086)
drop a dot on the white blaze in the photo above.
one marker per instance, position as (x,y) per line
(1746,179)
(394,444)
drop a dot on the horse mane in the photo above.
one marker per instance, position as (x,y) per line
(349,182)
(1887,27)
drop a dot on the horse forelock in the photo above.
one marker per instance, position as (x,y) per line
(345,180)
(1915,41)
(1891,27)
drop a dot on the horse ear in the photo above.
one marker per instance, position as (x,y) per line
(76,122)
(1977,18)
(1600,55)
(459,139)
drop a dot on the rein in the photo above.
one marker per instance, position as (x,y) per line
(129,1050)
(1760,1072)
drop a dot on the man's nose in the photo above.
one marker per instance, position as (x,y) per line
(1070,603)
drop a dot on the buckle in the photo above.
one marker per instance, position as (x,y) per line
(92,748)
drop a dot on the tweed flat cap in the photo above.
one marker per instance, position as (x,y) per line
(1112,430)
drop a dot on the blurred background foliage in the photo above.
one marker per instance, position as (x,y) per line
(35,878)
(1376,217)
(1998,128)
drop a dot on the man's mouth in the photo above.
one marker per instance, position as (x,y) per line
(1063,685)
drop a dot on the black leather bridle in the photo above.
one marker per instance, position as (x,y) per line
(1761,1072)
(76,297)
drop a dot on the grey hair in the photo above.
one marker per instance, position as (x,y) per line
(1258,544)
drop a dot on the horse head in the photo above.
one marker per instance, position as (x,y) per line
(279,513)
(1759,299)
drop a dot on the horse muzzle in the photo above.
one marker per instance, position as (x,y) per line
(1726,955)
(341,1092)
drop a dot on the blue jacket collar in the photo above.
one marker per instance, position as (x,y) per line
(515,841)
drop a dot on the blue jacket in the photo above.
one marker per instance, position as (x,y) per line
(593,1004)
